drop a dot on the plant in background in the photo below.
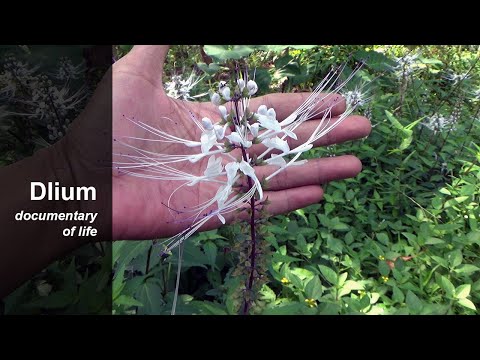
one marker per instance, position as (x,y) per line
(180,88)
(225,143)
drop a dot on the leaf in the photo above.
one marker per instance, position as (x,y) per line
(349,286)
(210,250)
(467,303)
(463,291)
(150,295)
(455,258)
(127,301)
(210,308)
(118,284)
(226,52)
(289,309)
(329,274)
(398,295)
(56,300)
(129,250)
(284,258)
(413,302)
(466,269)
(434,241)
(314,288)
(383,238)
(383,268)
(447,286)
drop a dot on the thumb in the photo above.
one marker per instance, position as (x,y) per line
(147,61)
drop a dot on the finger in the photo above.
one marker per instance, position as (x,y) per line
(314,172)
(283,201)
(285,104)
(352,128)
(146,61)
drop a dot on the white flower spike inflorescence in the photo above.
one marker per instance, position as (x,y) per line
(224,145)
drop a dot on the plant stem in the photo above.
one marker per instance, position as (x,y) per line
(253,252)
(149,255)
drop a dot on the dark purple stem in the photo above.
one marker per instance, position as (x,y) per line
(253,235)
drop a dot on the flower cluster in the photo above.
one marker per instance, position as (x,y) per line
(38,98)
(406,65)
(224,145)
(440,123)
(180,88)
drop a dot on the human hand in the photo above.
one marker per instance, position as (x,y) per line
(139,209)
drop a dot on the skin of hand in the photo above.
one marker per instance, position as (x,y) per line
(138,203)
(83,158)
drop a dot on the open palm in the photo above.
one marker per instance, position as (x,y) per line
(139,209)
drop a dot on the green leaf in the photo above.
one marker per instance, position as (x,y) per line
(467,303)
(463,291)
(413,302)
(227,52)
(398,295)
(210,308)
(466,269)
(434,241)
(329,274)
(284,258)
(447,286)
(455,258)
(383,268)
(210,250)
(150,295)
(289,309)
(383,238)
(349,286)
(56,300)
(118,284)
(129,250)
(314,288)
(127,301)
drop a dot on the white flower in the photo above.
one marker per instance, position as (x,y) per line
(208,140)
(207,123)
(214,167)
(269,123)
(226,93)
(223,111)
(241,84)
(231,169)
(221,85)
(278,144)
(236,138)
(215,98)
(262,110)
(271,113)
(252,87)
(254,129)
(220,131)
(250,172)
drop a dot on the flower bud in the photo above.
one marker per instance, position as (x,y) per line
(226,93)
(262,110)
(215,98)
(252,87)
(271,113)
(207,123)
(223,111)
(254,129)
(241,84)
